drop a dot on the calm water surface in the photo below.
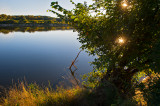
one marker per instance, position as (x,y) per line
(40,56)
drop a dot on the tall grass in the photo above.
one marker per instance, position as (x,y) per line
(105,94)
(33,95)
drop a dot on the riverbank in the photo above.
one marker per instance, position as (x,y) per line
(8,29)
(106,94)
(34,25)
(33,95)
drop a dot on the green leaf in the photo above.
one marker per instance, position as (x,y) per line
(76,19)
(72,17)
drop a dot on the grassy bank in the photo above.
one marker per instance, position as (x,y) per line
(33,95)
(106,94)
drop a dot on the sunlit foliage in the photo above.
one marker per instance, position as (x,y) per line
(100,25)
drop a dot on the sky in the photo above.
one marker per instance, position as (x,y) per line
(33,7)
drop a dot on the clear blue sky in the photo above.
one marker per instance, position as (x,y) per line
(32,7)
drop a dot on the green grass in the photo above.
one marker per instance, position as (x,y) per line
(106,94)
(33,95)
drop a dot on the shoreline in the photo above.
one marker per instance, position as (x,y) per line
(34,25)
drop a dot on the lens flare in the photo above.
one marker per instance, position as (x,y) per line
(124,5)
(120,40)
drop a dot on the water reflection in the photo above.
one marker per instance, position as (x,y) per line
(74,77)
(7,30)
(41,57)
(73,71)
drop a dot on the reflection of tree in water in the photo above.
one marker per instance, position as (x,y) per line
(73,71)
(71,77)
(7,30)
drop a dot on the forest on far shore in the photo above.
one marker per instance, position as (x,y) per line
(29,19)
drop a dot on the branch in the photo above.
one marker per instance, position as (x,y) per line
(74,60)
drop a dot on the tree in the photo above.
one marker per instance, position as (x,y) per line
(3,16)
(23,19)
(124,34)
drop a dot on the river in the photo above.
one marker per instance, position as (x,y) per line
(40,57)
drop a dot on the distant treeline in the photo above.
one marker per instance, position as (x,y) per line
(7,30)
(29,19)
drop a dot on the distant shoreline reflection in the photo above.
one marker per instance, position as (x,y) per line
(7,30)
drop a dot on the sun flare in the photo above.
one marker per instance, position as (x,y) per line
(124,5)
(120,40)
